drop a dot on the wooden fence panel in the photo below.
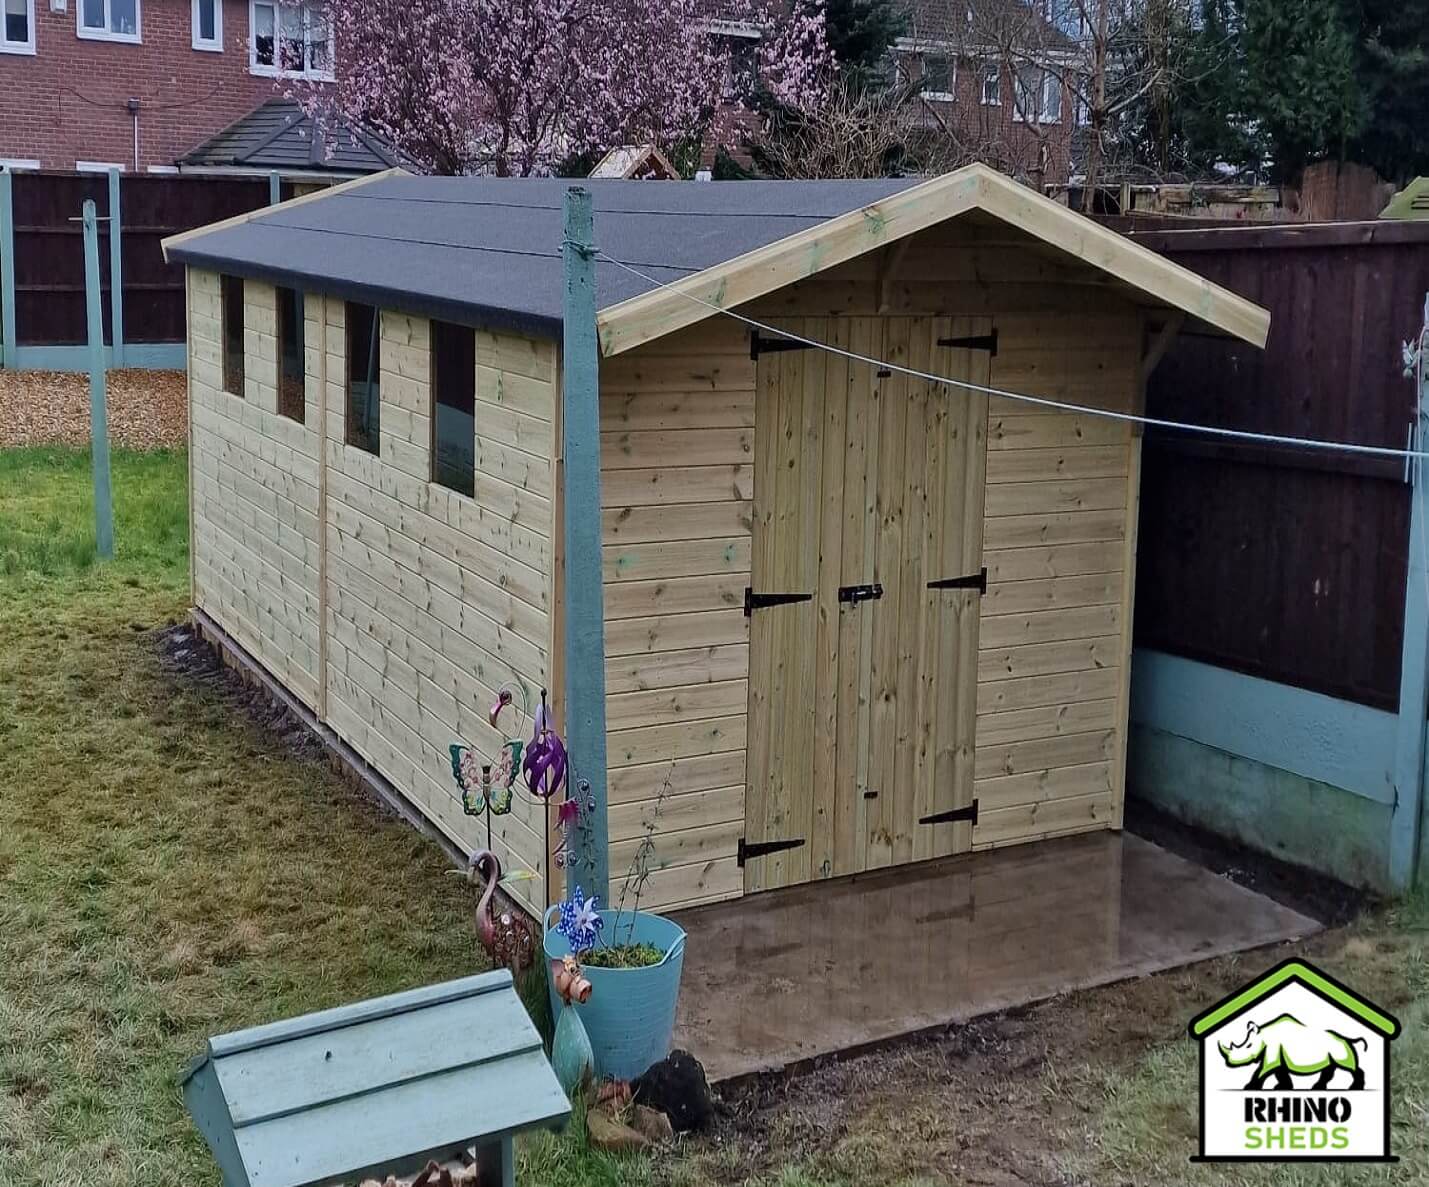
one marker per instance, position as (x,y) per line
(49,249)
(1279,562)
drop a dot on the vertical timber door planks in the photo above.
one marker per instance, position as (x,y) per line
(862,713)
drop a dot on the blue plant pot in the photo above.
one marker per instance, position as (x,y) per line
(630,1016)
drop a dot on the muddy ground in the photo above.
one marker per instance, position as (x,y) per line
(1014,1098)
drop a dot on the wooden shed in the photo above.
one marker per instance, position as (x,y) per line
(854,618)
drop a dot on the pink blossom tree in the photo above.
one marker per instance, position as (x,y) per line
(513,87)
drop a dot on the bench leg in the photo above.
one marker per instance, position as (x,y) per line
(496,1164)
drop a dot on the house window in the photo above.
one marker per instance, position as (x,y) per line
(208,25)
(992,84)
(17,33)
(292,368)
(97,166)
(290,40)
(454,407)
(364,365)
(15,164)
(231,298)
(109,20)
(1039,96)
(939,77)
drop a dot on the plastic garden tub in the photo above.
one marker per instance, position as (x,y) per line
(630,1016)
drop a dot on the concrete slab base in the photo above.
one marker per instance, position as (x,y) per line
(783,977)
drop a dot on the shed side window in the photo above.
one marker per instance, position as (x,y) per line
(291,367)
(232,300)
(454,407)
(364,364)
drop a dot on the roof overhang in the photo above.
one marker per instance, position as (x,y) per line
(674,306)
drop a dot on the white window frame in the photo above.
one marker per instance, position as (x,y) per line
(19,47)
(991,70)
(275,70)
(950,94)
(214,46)
(1036,111)
(167,170)
(97,166)
(106,34)
(15,164)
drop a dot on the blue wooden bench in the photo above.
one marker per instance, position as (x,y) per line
(377,1088)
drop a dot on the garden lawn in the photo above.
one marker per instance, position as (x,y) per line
(171,868)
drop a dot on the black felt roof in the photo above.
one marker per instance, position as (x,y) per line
(279,134)
(488,250)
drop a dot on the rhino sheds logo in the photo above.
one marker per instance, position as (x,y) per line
(1294,1066)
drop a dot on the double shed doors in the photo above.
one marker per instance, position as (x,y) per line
(862,703)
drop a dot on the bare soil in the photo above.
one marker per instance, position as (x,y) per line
(147,409)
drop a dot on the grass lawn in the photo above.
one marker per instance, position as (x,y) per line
(171,868)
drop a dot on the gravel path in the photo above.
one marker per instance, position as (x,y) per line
(147,409)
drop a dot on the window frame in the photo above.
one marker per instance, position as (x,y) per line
(19,47)
(97,166)
(230,286)
(1051,85)
(84,32)
(212,45)
(991,71)
(1048,82)
(939,96)
(280,293)
(374,370)
(18,164)
(276,70)
(438,329)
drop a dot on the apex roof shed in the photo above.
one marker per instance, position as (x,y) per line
(855,618)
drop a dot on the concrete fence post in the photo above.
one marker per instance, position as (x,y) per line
(584,597)
(7,269)
(98,410)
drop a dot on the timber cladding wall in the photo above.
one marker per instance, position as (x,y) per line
(254,493)
(1059,546)
(432,601)
(677,439)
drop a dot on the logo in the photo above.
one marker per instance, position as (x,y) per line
(1294,1065)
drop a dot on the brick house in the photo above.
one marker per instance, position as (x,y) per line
(1000,79)
(139,83)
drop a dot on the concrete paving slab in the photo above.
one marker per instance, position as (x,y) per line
(789,975)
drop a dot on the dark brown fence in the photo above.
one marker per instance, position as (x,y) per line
(1279,562)
(49,252)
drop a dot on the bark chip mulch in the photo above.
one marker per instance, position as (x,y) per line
(147,409)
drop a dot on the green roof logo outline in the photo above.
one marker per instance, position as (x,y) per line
(1316,980)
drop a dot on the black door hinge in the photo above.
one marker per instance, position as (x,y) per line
(951,815)
(760,601)
(987,342)
(760,848)
(977,581)
(860,593)
(759,346)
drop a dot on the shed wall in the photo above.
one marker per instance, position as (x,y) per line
(677,418)
(677,435)
(254,492)
(430,601)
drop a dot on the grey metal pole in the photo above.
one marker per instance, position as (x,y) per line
(98,413)
(584,599)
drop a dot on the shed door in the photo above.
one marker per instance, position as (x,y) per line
(863,679)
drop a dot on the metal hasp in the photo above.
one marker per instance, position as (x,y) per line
(977,581)
(759,346)
(987,342)
(860,593)
(584,642)
(746,849)
(762,601)
(98,399)
(377,1088)
(952,815)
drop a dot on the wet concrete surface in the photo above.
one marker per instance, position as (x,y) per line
(786,976)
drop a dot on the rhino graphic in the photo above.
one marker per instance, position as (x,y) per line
(1286,1046)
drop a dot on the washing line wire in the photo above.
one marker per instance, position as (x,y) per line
(1022,397)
